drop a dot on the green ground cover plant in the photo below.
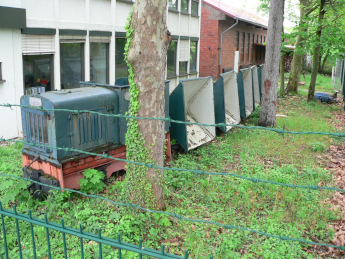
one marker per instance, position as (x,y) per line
(298,213)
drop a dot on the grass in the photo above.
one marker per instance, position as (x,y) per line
(298,213)
(323,83)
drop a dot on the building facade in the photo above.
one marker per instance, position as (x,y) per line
(247,36)
(55,44)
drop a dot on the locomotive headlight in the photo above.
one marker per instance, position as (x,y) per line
(36,102)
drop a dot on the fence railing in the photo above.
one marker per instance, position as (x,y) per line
(82,235)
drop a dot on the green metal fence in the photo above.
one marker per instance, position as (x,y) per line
(82,235)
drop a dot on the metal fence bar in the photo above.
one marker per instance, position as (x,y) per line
(64,239)
(4,235)
(81,243)
(100,244)
(140,245)
(85,235)
(17,229)
(32,236)
(119,240)
(48,239)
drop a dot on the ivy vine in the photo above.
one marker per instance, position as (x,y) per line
(138,187)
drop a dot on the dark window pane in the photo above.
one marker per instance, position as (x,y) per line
(121,69)
(171,59)
(37,71)
(237,40)
(0,72)
(172,4)
(248,41)
(71,64)
(184,5)
(99,62)
(193,55)
(195,8)
(183,67)
(243,39)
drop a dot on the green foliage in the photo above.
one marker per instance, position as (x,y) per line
(318,146)
(10,189)
(272,209)
(92,181)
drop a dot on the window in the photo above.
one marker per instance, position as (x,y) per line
(99,53)
(243,39)
(72,64)
(1,72)
(252,48)
(264,38)
(183,68)
(237,40)
(171,59)
(172,4)
(257,38)
(37,71)
(195,7)
(248,42)
(193,56)
(261,39)
(121,69)
(184,6)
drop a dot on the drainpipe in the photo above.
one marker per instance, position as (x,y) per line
(221,45)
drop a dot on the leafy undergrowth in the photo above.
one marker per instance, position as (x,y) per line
(283,211)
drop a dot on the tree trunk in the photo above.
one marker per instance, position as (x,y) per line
(145,138)
(311,92)
(324,62)
(297,56)
(320,60)
(282,61)
(282,85)
(272,58)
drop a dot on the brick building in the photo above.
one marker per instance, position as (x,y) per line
(247,36)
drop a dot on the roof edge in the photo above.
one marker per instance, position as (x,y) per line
(234,17)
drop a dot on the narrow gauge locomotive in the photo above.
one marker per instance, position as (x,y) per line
(82,130)
(233,97)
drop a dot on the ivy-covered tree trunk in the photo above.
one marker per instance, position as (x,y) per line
(316,64)
(297,55)
(272,58)
(147,44)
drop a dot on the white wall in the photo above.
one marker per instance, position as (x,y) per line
(100,15)
(12,89)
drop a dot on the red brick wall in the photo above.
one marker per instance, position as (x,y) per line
(210,44)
